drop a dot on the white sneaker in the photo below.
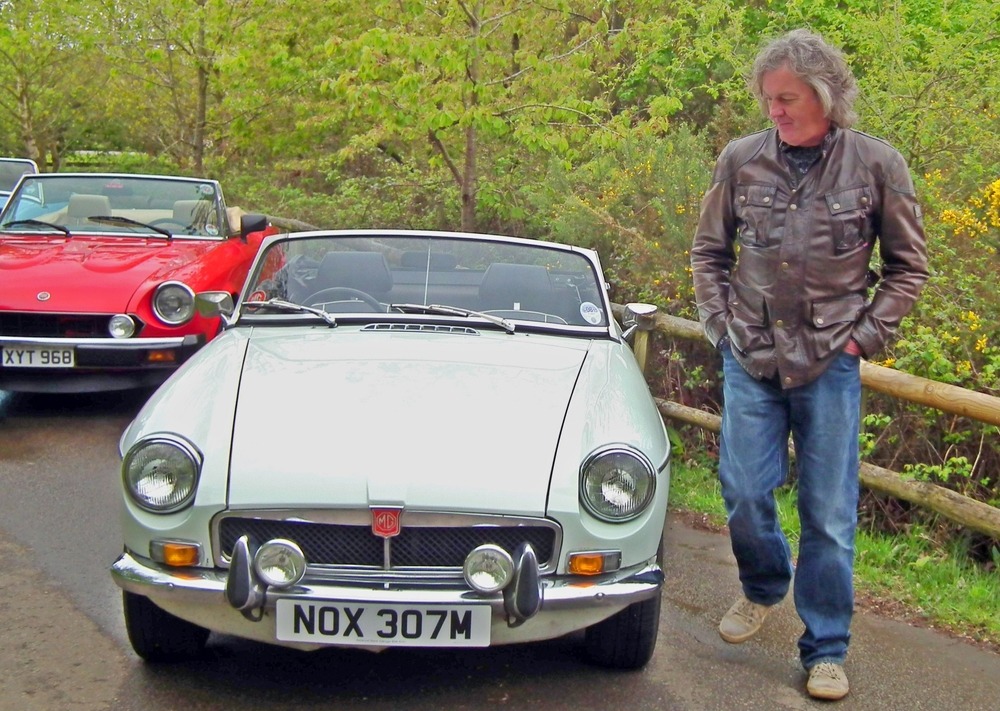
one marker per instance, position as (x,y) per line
(743,620)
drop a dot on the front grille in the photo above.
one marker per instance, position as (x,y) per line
(35,325)
(422,546)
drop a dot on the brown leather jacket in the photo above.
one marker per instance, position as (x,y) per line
(784,270)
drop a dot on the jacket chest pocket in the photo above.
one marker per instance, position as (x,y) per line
(850,218)
(754,208)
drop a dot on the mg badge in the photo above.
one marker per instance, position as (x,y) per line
(43,296)
(385,521)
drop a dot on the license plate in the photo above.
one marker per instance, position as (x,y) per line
(37,357)
(373,624)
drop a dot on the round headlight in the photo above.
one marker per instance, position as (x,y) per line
(173,303)
(161,474)
(617,484)
(488,568)
(280,563)
(121,326)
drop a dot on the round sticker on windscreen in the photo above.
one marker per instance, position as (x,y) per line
(206,189)
(211,230)
(591,314)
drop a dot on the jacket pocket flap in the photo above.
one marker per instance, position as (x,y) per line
(834,311)
(850,200)
(760,195)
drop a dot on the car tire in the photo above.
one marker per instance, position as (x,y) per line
(625,640)
(158,636)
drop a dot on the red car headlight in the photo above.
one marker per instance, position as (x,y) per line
(173,303)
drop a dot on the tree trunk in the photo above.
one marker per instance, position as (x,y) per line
(201,112)
(469,182)
(470,176)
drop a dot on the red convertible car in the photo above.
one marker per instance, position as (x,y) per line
(98,274)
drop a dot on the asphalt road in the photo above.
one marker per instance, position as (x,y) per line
(63,644)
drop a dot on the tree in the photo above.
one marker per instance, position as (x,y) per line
(169,56)
(454,84)
(44,85)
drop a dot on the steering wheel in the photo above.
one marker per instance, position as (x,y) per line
(331,294)
(168,221)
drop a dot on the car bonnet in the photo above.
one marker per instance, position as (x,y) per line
(434,422)
(98,274)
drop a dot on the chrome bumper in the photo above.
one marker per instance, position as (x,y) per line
(568,603)
(102,364)
(101,343)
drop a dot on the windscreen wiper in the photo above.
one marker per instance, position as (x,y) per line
(282,305)
(128,222)
(36,223)
(454,311)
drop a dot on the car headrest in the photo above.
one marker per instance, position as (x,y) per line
(366,271)
(187,212)
(83,205)
(516,286)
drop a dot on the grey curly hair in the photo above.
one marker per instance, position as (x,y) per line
(815,62)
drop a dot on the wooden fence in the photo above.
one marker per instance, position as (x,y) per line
(963,510)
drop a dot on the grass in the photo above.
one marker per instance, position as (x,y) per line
(913,576)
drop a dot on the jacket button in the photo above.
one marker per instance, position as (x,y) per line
(743,198)
(793,206)
(819,322)
(779,323)
(788,381)
(767,200)
(864,201)
(784,265)
(836,206)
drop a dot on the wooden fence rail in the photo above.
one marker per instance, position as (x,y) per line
(961,509)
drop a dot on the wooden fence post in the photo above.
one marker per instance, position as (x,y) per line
(965,511)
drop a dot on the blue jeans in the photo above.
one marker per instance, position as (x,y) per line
(823,419)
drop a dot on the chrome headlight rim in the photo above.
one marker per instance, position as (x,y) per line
(131,478)
(175,314)
(284,556)
(647,473)
(488,568)
(121,326)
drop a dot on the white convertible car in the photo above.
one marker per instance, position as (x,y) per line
(401,439)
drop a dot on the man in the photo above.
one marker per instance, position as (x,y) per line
(783,286)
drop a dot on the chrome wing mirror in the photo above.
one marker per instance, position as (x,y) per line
(638,317)
(215,303)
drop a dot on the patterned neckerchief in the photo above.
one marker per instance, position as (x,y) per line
(802,158)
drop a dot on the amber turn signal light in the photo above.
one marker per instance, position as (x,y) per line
(174,553)
(594,562)
(168,356)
